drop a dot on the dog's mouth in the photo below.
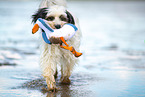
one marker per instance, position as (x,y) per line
(55,26)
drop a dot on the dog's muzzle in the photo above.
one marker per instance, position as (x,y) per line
(57,26)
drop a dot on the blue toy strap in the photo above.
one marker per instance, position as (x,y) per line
(45,38)
(49,28)
(73,26)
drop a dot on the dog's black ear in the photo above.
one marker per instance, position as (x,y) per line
(70,18)
(41,13)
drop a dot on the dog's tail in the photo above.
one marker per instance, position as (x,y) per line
(48,3)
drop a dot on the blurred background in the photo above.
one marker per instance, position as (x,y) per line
(113,46)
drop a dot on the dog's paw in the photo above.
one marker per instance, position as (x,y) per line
(65,80)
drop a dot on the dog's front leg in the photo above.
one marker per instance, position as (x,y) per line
(51,84)
(66,70)
(50,80)
(49,70)
(48,65)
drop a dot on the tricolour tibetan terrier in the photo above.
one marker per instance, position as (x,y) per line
(56,14)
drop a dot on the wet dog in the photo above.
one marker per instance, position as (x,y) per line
(56,14)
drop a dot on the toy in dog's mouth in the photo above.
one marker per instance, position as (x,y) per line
(64,33)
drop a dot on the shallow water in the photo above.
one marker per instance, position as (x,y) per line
(113,47)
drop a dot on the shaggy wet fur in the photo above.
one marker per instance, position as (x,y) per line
(52,55)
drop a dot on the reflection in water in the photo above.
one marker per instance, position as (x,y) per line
(77,86)
(64,92)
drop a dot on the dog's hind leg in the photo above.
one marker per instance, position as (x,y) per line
(66,70)
(65,74)
(55,75)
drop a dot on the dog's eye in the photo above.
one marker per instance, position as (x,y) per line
(51,18)
(63,18)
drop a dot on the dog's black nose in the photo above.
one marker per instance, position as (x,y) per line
(57,26)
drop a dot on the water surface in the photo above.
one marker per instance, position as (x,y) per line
(113,47)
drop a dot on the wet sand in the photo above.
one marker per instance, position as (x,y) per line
(113,47)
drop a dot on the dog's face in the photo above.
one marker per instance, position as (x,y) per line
(56,16)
